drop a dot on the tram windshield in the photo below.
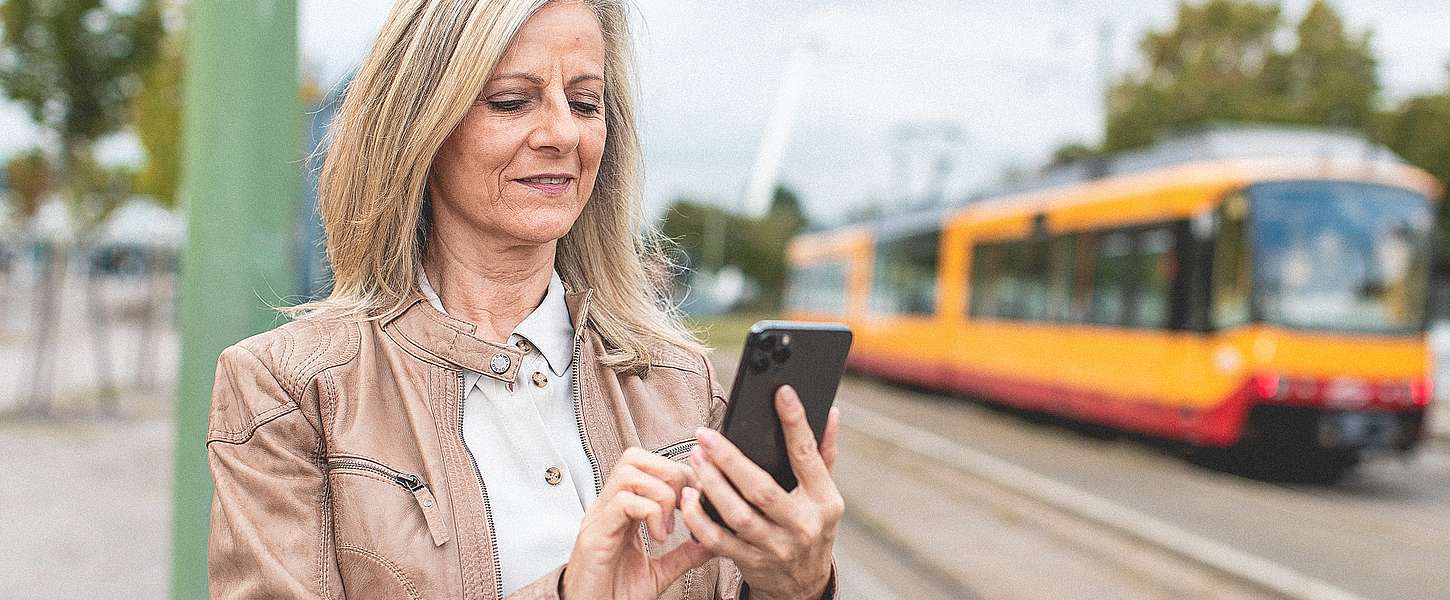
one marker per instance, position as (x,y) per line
(1340,256)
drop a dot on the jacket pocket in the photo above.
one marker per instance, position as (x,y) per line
(410,483)
(677,450)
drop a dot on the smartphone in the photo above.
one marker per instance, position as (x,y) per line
(810,358)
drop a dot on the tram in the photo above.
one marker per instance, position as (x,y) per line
(1238,289)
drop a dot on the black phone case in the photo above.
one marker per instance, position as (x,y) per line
(812,361)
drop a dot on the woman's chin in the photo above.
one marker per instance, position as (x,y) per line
(541,231)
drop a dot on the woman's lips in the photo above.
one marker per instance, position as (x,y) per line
(552,186)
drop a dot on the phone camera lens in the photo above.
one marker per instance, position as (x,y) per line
(780,354)
(780,350)
(759,361)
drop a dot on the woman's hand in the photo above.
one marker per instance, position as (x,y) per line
(783,540)
(609,559)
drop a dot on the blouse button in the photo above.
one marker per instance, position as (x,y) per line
(499,363)
(539,379)
(553,475)
(523,345)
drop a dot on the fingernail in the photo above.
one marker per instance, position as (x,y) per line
(788,396)
(689,494)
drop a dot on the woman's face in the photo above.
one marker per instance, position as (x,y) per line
(523,161)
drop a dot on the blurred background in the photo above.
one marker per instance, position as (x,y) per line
(1150,295)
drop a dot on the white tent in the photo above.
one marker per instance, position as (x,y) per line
(52,222)
(141,222)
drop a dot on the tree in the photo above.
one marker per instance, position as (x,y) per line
(1419,131)
(1329,78)
(1219,63)
(1063,155)
(74,66)
(756,246)
(156,113)
(1207,68)
(29,176)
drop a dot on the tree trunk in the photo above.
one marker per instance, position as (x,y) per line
(46,300)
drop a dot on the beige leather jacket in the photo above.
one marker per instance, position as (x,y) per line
(340,469)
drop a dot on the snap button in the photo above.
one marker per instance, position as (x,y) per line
(539,379)
(553,475)
(427,503)
(499,364)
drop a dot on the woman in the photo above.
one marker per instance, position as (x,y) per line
(492,401)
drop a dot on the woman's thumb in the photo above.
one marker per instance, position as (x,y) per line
(671,565)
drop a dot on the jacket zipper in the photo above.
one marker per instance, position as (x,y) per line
(579,415)
(408,481)
(487,510)
(672,450)
(579,406)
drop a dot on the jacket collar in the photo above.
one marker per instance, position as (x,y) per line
(453,342)
(548,327)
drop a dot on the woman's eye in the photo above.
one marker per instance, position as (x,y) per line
(506,105)
(585,108)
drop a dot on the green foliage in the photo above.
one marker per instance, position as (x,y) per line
(29,176)
(156,112)
(1330,77)
(1069,153)
(1419,131)
(712,238)
(1220,63)
(74,66)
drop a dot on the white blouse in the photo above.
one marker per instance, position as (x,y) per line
(527,443)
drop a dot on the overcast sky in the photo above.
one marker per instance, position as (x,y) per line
(1017,77)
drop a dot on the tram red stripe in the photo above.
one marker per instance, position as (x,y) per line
(1219,426)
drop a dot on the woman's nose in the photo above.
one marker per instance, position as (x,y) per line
(557,129)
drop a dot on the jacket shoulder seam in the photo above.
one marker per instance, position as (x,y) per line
(677,367)
(241,436)
(292,377)
(295,373)
(318,360)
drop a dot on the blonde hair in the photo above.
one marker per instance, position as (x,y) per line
(423,73)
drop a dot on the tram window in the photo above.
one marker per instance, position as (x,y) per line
(997,285)
(1033,269)
(819,287)
(1010,287)
(1156,266)
(1111,270)
(1082,283)
(1231,286)
(1062,258)
(1009,281)
(988,261)
(903,278)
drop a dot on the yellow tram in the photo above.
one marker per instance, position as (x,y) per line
(1276,300)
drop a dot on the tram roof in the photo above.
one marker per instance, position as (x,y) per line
(1221,142)
(1213,143)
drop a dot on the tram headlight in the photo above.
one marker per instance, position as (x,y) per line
(1268,385)
(1421,389)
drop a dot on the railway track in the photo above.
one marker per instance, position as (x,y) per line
(1378,534)
(964,502)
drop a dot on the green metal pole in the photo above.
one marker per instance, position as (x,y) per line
(242,181)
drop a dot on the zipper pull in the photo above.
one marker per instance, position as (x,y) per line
(409,481)
(431,513)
